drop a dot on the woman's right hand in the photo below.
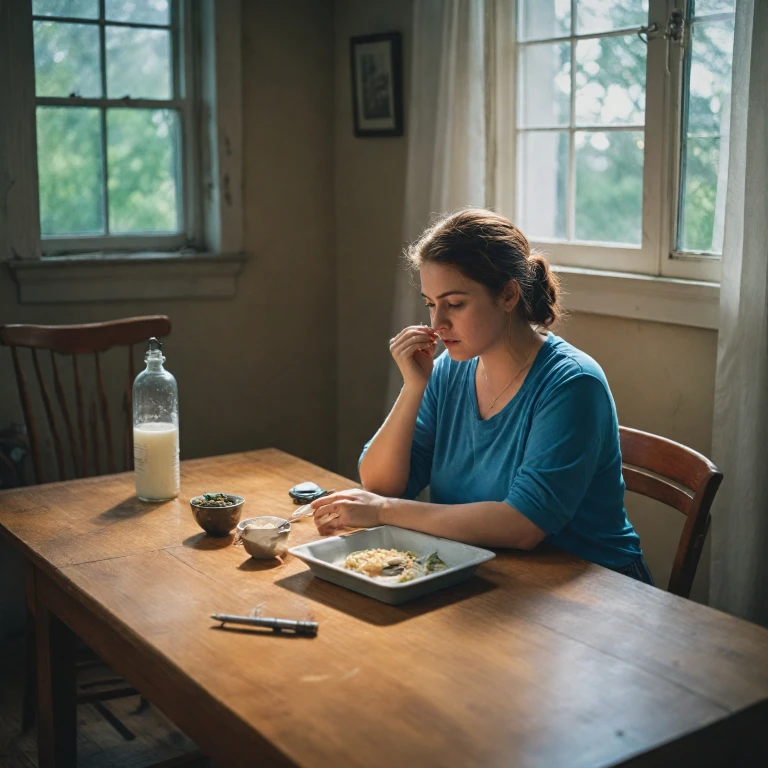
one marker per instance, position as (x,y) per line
(414,351)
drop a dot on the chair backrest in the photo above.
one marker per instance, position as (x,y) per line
(75,341)
(681,478)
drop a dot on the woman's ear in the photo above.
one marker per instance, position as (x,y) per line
(510,295)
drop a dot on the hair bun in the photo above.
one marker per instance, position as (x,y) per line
(543,305)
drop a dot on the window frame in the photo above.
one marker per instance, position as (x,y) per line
(185,101)
(209,270)
(657,255)
(682,264)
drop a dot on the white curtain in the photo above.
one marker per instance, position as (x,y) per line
(446,128)
(739,564)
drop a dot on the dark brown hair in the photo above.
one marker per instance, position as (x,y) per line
(489,249)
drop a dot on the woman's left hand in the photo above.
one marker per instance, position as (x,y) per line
(348,509)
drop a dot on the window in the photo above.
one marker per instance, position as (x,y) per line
(115,124)
(107,158)
(618,158)
(703,161)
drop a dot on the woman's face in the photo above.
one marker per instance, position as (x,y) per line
(466,317)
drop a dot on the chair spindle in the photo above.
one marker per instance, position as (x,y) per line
(49,414)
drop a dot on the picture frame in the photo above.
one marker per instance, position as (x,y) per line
(377,84)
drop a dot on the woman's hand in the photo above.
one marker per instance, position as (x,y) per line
(348,509)
(414,351)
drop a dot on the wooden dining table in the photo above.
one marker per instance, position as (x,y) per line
(540,659)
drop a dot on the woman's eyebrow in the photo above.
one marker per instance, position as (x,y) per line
(448,293)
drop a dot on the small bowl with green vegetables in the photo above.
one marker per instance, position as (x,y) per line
(217,513)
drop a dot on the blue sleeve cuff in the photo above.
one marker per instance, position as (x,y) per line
(531,510)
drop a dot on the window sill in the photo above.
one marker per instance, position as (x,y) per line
(125,277)
(641,297)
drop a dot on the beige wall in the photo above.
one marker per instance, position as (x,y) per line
(662,376)
(258,370)
(370,184)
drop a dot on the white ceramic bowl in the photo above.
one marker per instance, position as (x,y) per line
(264,543)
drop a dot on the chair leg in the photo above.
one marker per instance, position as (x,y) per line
(115,722)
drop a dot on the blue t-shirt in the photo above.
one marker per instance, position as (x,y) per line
(552,452)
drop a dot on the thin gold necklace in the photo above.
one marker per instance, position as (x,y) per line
(525,365)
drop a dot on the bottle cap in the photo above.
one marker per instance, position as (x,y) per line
(154,350)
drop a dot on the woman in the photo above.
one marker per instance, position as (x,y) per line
(513,429)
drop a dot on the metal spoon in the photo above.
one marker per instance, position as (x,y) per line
(306,510)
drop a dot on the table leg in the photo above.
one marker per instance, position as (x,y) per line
(29,701)
(56,704)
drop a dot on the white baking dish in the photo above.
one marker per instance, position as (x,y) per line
(325,556)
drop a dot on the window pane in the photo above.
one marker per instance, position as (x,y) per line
(701,224)
(67,59)
(142,150)
(609,186)
(69,170)
(138,63)
(705,7)
(543,181)
(710,78)
(542,19)
(75,9)
(703,168)
(138,11)
(606,15)
(545,85)
(610,81)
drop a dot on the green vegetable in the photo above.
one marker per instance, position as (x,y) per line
(213,500)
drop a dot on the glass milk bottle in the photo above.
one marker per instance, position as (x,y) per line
(155,429)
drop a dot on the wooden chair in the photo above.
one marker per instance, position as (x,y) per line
(681,478)
(77,340)
(92,339)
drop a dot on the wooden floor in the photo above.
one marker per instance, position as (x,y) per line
(126,733)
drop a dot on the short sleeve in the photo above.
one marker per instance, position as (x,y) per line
(562,453)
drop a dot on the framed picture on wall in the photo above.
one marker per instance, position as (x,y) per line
(377,84)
